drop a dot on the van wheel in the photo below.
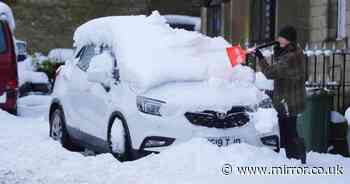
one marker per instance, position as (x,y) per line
(117,140)
(14,111)
(58,131)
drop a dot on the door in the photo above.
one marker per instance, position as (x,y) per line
(77,85)
(263,14)
(90,98)
(8,68)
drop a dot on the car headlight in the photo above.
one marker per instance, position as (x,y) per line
(149,105)
(266,103)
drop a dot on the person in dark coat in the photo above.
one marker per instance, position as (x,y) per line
(288,73)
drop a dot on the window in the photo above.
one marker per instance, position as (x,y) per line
(263,20)
(2,39)
(214,20)
(81,51)
(86,57)
(341,22)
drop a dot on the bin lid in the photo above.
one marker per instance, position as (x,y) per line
(336,117)
(347,115)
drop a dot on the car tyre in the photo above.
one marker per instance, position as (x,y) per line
(118,140)
(58,130)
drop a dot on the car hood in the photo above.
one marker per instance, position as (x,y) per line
(214,94)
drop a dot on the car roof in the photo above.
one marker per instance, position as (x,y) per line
(150,52)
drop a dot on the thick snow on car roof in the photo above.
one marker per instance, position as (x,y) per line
(151,53)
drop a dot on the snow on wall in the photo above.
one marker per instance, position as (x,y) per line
(151,53)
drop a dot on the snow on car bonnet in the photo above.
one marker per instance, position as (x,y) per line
(151,53)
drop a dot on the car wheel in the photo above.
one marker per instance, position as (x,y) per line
(118,143)
(58,131)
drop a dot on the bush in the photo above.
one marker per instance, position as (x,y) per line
(43,64)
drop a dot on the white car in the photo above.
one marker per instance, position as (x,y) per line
(137,86)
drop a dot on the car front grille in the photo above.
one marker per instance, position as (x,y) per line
(236,117)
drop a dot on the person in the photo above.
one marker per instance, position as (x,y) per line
(288,73)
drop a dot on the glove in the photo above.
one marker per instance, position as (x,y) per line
(259,55)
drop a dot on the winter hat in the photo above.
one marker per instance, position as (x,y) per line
(288,33)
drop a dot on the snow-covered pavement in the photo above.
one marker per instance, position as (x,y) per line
(29,156)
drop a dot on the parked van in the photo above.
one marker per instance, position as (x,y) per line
(8,69)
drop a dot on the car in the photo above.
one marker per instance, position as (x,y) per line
(135,95)
(8,69)
(21,50)
(8,61)
(31,80)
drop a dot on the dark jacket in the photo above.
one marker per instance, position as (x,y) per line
(288,73)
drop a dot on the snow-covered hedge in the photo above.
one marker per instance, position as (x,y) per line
(60,55)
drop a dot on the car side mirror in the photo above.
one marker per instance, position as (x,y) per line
(101,69)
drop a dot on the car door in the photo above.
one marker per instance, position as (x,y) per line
(91,98)
(78,86)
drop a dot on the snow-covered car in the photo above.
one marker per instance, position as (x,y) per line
(30,80)
(137,86)
(21,50)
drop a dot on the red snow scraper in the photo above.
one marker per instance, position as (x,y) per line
(236,54)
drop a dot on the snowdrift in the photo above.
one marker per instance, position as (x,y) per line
(28,155)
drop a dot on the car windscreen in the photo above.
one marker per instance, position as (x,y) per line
(2,39)
(22,48)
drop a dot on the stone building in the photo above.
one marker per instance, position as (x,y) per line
(320,24)
(47,24)
(260,20)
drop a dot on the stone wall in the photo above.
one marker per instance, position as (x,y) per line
(47,24)
(323,21)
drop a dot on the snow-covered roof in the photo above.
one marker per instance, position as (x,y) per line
(183,19)
(6,14)
(151,53)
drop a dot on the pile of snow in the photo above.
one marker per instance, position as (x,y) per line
(34,105)
(61,55)
(266,120)
(6,14)
(151,53)
(262,82)
(27,73)
(183,19)
(28,155)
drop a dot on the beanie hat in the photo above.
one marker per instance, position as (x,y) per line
(288,33)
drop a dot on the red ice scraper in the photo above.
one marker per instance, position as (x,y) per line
(236,54)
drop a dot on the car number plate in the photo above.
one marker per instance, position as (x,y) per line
(224,141)
(3,98)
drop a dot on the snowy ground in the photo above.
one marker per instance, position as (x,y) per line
(29,156)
